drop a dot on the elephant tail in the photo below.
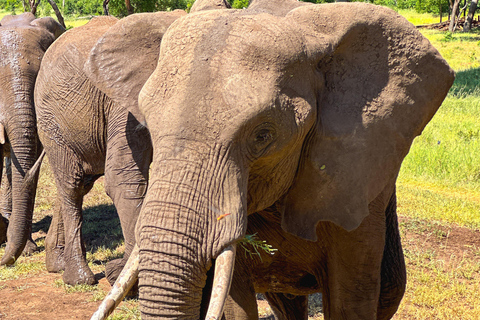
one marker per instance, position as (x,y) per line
(32,173)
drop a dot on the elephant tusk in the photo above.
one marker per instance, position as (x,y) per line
(221,283)
(2,133)
(122,285)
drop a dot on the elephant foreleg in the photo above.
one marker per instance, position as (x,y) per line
(126,176)
(352,277)
(394,277)
(6,202)
(288,307)
(241,303)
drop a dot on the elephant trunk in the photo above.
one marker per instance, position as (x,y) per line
(22,135)
(182,228)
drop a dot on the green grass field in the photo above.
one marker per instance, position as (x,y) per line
(438,190)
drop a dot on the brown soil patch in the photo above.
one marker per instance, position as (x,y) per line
(37,297)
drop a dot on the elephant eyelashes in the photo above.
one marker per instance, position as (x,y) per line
(263,138)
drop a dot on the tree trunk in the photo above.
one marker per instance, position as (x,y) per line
(451,27)
(26,7)
(33,6)
(57,12)
(129,7)
(471,12)
(105,7)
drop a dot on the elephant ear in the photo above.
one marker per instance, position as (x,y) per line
(277,8)
(49,24)
(202,5)
(125,56)
(383,83)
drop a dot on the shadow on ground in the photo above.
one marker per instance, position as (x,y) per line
(101,227)
(466,83)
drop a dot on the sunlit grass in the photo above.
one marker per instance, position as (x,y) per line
(441,285)
(419,18)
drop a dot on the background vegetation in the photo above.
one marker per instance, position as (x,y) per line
(438,187)
(118,8)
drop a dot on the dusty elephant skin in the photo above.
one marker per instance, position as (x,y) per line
(90,125)
(297,122)
(23,42)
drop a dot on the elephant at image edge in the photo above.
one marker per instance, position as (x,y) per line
(89,124)
(308,115)
(23,42)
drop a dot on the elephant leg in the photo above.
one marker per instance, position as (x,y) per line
(288,307)
(3,229)
(55,241)
(6,202)
(352,286)
(241,303)
(394,275)
(71,188)
(126,177)
(352,277)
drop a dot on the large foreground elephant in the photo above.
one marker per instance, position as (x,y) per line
(90,125)
(23,42)
(290,121)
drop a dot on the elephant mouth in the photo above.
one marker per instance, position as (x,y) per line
(222,280)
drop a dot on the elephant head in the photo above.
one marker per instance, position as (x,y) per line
(23,42)
(306,109)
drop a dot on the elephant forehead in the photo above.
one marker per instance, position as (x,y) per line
(224,51)
(215,37)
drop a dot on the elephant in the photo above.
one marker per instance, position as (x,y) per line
(90,125)
(290,121)
(24,40)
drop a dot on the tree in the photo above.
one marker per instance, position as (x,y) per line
(129,6)
(33,6)
(57,13)
(105,7)
(471,13)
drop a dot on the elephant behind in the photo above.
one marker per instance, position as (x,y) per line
(23,42)
(90,125)
(291,121)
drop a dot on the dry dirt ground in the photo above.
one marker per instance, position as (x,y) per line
(38,296)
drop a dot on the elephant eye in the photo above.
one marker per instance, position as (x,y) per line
(263,136)
(262,139)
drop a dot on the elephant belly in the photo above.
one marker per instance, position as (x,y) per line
(280,277)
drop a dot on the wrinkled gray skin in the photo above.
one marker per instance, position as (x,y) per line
(297,269)
(295,120)
(23,42)
(89,124)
